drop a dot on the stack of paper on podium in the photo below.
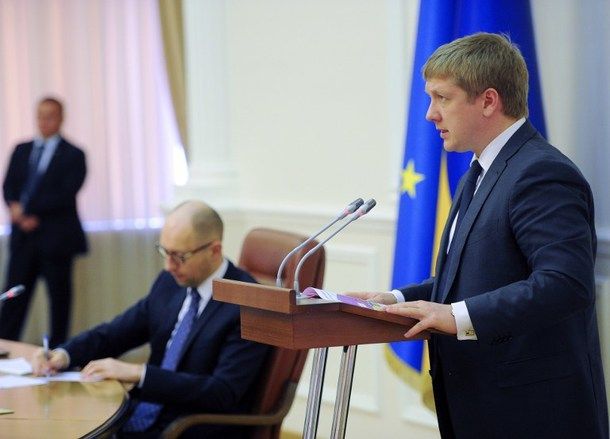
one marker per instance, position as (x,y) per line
(334,297)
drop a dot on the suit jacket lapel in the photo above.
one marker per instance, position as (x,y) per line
(210,309)
(459,237)
(207,313)
(451,263)
(173,309)
(56,157)
(441,257)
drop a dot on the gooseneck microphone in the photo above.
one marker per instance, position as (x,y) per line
(366,208)
(11,293)
(351,208)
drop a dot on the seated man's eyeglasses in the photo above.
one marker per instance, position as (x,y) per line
(180,257)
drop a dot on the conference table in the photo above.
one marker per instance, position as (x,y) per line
(59,409)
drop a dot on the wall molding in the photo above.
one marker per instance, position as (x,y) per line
(311,217)
(381,220)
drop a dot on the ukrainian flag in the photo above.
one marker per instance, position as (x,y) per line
(429,174)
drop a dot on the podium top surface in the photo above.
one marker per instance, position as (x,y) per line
(284,301)
(273,315)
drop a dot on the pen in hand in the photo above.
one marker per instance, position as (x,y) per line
(47,354)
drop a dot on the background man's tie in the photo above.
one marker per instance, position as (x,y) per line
(33,175)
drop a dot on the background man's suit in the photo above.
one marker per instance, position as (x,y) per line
(217,370)
(523,261)
(49,250)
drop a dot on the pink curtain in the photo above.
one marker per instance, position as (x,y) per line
(104,59)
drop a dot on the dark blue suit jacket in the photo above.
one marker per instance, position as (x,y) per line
(53,201)
(218,369)
(523,262)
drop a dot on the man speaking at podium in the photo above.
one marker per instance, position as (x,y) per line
(198,360)
(514,291)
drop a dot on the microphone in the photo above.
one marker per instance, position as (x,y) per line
(366,208)
(350,208)
(13,292)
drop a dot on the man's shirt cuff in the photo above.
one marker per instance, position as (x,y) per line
(398,294)
(465,330)
(141,382)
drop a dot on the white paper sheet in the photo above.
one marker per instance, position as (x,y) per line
(72,376)
(16,366)
(10,381)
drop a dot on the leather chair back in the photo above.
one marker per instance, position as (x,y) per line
(264,249)
(262,253)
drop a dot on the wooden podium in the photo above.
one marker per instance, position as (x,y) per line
(275,316)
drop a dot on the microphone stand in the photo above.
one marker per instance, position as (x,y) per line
(362,211)
(318,368)
(351,207)
(314,399)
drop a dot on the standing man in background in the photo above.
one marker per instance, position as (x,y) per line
(514,344)
(40,187)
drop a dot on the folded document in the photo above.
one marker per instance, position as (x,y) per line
(334,297)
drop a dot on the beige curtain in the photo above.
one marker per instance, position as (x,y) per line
(170,12)
(105,60)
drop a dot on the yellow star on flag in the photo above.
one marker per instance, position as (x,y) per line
(410,178)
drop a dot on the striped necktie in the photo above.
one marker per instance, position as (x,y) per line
(146,413)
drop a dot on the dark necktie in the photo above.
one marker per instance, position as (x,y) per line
(146,413)
(33,174)
(468,191)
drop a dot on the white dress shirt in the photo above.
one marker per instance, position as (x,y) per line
(465,329)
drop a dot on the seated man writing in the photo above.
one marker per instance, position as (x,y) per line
(198,360)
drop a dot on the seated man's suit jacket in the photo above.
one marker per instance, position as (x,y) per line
(217,371)
(523,262)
